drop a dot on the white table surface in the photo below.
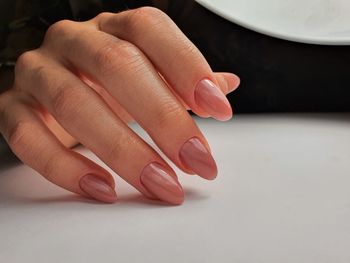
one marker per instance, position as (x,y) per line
(282,195)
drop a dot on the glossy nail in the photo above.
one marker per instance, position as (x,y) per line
(97,188)
(212,100)
(156,179)
(195,156)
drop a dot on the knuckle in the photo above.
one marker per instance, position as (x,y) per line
(114,58)
(18,143)
(189,49)
(16,137)
(147,15)
(40,76)
(49,168)
(26,61)
(185,50)
(169,113)
(103,15)
(105,59)
(62,100)
(129,55)
(114,151)
(58,29)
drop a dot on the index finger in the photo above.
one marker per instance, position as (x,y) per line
(174,56)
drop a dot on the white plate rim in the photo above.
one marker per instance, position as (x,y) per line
(336,41)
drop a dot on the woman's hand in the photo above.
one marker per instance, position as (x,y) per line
(85,83)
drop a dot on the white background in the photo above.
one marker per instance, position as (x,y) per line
(282,195)
(308,21)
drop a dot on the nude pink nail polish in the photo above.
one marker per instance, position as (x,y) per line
(97,188)
(212,100)
(195,156)
(159,182)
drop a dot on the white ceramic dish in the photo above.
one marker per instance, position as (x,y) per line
(324,22)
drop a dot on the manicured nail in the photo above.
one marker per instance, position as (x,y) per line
(97,188)
(233,81)
(159,182)
(211,99)
(197,158)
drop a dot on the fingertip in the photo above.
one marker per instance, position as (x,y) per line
(98,188)
(210,98)
(162,183)
(232,81)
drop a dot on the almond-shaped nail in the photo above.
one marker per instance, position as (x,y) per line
(97,188)
(157,179)
(212,100)
(195,156)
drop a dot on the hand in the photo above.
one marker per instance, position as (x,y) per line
(88,79)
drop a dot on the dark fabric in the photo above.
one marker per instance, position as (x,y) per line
(24,22)
(25,25)
(276,75)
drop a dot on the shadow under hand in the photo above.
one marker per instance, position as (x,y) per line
(191,195)
(195,195)
(14,191)
(7,158)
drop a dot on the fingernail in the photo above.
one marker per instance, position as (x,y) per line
(197,158)
(233,81)
(211,99)
(159,182)
(97,188)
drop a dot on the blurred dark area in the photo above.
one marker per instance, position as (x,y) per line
(7,158)
(277,75)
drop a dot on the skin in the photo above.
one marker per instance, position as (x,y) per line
(88,80)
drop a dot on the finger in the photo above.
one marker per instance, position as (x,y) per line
(37,147)
(132,80)
(228,82)
(110,101)
(61,134)
(85,115)
(174,56)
